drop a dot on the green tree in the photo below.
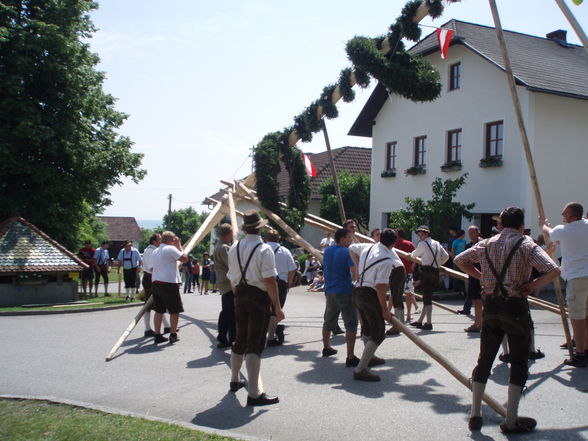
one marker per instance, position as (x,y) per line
(437,212)
(59,147)
(355,192)
(184,223)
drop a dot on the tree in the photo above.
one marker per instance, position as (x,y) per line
(355,192)
(437,213)
(184,223)
(59,148)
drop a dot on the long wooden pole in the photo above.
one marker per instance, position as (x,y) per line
(334,173)
(233,214)
(213,218)
(437,304)
(294,236)
(530,163)
(445,363)
(575,24)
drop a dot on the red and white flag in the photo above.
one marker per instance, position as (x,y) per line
(444,38)
(310,170)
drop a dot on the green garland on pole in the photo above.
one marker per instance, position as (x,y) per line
(399,71)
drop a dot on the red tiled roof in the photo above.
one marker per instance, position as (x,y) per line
(25,248)
(355,160)
(121,228)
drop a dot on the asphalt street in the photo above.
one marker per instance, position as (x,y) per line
(63,356)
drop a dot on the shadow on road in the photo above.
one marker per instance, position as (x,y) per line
(227,414)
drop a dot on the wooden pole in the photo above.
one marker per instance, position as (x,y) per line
(529,156)
(334,173)
(213,218)
(233,215)
(130,328)
(437,304)
(575,24)
(294,236)
(445,363)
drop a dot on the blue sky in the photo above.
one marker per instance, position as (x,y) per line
(203,82)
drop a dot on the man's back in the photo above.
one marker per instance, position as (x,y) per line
(573,239)
(336,266)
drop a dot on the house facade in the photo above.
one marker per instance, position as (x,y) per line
(472,128)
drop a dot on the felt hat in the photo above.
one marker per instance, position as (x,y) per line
(252,219)
(424,229)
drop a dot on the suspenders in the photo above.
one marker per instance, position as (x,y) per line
(244,270)
(500,277)
(370,265)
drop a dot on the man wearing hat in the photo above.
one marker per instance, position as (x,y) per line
(432,255)
(252,272)
(226,318)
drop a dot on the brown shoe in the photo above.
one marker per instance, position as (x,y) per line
(475,423)
(392,331)
(365,375)
(522,425)
(376,361)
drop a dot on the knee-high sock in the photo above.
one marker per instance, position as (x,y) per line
(477,393)
(147,320)
(253,363)
(368,352)
(504,344)
(271,329)
(429,310)
(533,349)
(512,407)
(399,314)
(423,312)
(165,321)
(236,363)
(128,291)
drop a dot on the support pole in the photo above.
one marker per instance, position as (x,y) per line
(334,173)
(437,304)
(213,218)
(575,24)
(529,156)
(233,214)
(294,236)
(445,363)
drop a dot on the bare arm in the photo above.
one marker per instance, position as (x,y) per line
(272,291)
(381,289)
(469,269)
(183,258)
(544,279)
(291,277)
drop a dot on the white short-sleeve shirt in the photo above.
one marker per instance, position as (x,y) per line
(380,272)
(573,239)
(165,264)
(262,266)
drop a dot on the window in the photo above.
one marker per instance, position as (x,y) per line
(419,151)
(455,76)
(391,156)
(454,146)
(494,139)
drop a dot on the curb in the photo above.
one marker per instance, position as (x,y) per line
(70,311)
(112,410)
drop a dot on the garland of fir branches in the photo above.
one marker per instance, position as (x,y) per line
(398,70)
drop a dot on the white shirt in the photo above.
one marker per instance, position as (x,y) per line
(147,258)
(380,272)
(284,260)
(422,250)
(573,239)
(358,248)
(262,266)
(327,242)
(165,264)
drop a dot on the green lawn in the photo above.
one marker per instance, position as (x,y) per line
(93,302)
(31,420)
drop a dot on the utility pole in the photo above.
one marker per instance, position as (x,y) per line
(168,226)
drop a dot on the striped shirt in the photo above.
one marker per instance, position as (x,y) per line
(528,256)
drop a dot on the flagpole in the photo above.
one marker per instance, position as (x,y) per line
(334,174)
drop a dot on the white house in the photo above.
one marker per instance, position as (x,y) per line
(472,127)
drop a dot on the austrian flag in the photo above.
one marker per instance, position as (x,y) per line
(310,170)
(444,38)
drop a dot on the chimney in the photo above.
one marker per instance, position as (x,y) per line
(559,35)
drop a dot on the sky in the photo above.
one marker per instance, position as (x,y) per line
(203,82)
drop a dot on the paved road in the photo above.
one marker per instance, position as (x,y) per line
(63,356)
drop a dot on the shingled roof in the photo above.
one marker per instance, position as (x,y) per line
(122,228)
(355,160)
(25,248)
(548,65)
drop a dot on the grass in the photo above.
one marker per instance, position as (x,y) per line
(93,302)
(32,420)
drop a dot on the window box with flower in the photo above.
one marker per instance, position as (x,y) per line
(491,161)
(416,170)
(451,166)
(388,173)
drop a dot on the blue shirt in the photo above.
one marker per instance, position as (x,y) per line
(101,256)
(458,246)
(336,264)
(129,259)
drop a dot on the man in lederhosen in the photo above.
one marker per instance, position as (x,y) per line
(252,272)
(506,261)
(369,296)
(130,259)
(154,242)
(286,268)
(432,255)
